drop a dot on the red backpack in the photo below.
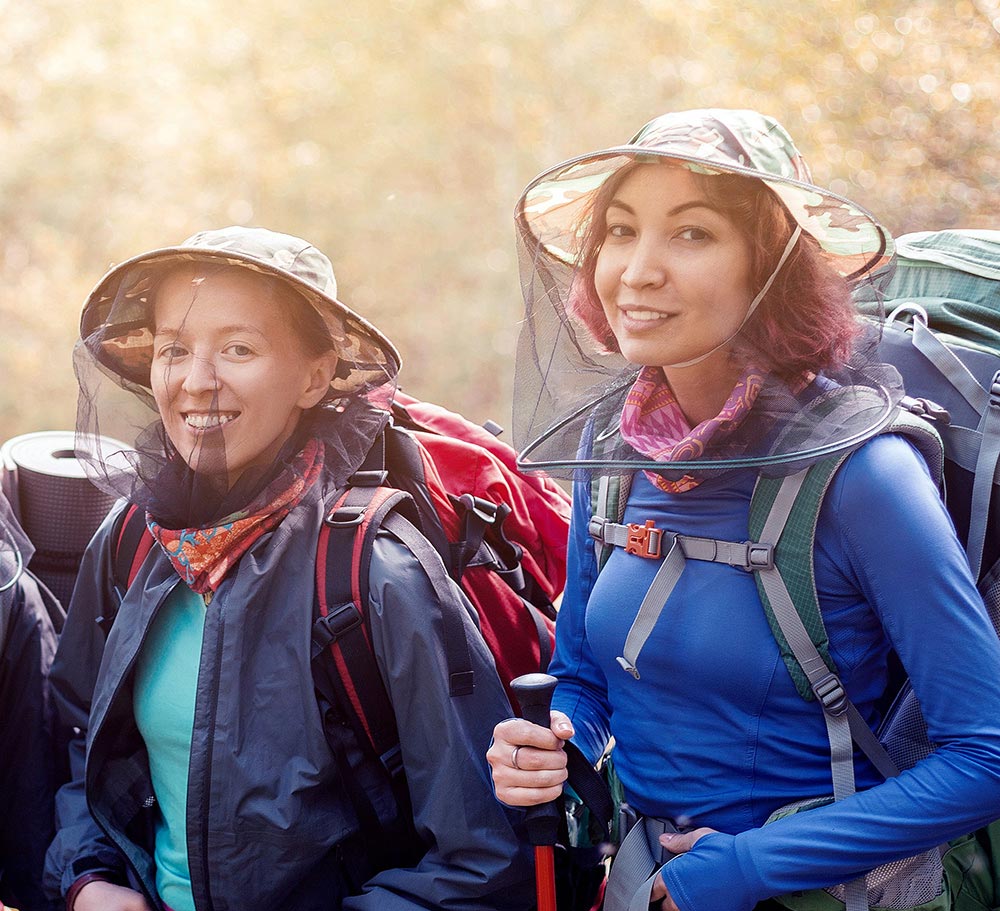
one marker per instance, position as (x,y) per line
(499,533)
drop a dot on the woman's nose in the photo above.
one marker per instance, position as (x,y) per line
(646,266)
(201,376)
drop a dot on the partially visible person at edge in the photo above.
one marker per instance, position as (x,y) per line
(30,764)
(209,779)
(702,257)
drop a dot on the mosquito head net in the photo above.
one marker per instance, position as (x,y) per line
(205,369)
(698,256)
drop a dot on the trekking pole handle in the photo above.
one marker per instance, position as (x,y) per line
(534,693)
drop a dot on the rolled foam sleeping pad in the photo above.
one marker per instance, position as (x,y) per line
(58,506)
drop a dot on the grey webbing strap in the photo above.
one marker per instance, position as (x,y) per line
(741,554)
(652,606)
(932,348)
(963,444)
(603,483)
(640,901)
(781,509)
(982,486)
(821,680)
(838,726)
(632,873)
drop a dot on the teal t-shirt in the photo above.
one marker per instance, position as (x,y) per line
(165,683)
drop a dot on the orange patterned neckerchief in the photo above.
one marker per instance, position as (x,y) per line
(652,422)
(203,556)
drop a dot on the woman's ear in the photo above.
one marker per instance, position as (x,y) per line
(321,374)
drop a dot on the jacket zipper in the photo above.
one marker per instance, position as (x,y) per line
(203,810)
(150,799)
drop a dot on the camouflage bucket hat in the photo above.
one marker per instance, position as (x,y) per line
(116,324)
(554,209)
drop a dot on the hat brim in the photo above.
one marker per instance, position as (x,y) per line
(367,359)
(554,208)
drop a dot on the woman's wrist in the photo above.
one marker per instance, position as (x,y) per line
(79,883)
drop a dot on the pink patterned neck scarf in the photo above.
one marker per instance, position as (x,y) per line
(203,556)
(652,422)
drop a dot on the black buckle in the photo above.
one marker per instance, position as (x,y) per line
(484,509)
(345,516)
(760,557)
(831,694)
(392,760)
(368,479)
(340,621)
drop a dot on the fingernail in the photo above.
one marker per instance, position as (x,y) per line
(668,836)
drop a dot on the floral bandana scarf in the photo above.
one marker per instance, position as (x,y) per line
(652,422)
(203,556)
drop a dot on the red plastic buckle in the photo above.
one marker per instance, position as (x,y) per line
(644,540)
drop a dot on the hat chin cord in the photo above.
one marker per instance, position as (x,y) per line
(753,304)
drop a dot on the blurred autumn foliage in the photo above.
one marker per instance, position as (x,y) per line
(397,134)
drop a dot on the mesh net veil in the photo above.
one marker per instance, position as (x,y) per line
(570,389)
(16,550)
(189,372)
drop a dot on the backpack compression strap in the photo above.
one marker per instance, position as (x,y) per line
(977,450)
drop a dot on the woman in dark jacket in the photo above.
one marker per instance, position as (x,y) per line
(210,780)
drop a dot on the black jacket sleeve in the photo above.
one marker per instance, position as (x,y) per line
(31,761)
(79,846)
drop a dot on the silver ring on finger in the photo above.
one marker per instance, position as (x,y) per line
(513,759)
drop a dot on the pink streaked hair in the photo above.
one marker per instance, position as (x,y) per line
(806,321)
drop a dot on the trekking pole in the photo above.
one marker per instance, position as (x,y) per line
(534,692)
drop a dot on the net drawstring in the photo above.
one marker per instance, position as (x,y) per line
(754,304)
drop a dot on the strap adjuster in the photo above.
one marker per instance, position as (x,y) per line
(345,516)
(831,694)
(485,510)
(340,621)
(925,408)
(595,528)
(392,760)
(644,540)
(760,557)
(368,478)
(995,390)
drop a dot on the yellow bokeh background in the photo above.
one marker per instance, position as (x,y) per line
(396,135)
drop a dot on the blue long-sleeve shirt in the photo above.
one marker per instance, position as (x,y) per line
(714,730)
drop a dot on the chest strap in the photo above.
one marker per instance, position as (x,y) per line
(648,541)
(653,543)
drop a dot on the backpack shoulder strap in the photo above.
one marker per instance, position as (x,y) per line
(131,542)
(341,642)
(608,496)
(341,631)
(784,513)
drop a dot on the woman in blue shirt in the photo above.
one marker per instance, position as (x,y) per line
(690,321)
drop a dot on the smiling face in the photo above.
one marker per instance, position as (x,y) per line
(672,274)
(230,376)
